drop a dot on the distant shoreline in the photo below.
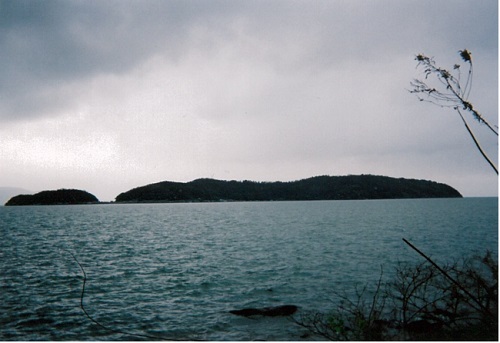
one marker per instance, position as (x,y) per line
(241,201)
(350,187)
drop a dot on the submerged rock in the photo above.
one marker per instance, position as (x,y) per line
(283,310)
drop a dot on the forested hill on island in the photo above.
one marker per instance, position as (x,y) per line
(58,197)
(316,188)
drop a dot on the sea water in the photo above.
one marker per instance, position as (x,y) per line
(174,271)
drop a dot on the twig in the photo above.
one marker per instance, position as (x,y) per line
(476,142)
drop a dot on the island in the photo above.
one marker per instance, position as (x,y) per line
(57,197)
(350,187)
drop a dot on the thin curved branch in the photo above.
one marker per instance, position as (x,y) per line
(152,337)
(477,143)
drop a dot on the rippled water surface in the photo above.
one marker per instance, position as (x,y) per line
(175,270)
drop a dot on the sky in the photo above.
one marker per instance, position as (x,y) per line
(105,96)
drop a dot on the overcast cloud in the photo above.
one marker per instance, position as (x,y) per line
(109,95)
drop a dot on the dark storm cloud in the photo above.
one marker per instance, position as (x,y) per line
(66,39)
(47,45)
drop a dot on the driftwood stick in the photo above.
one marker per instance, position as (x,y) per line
(455,282)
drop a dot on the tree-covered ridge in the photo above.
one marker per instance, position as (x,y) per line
(57,197)
(315,188)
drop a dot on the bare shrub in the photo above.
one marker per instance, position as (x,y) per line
(419,303)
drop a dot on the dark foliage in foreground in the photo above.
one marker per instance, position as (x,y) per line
(58,197)
(315,188)
(420,303)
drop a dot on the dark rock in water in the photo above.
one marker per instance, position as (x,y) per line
(247,312)
(283,310)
